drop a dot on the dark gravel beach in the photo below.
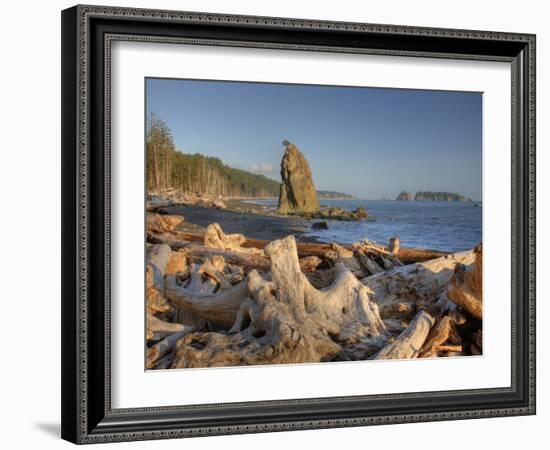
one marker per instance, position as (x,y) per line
(251,220)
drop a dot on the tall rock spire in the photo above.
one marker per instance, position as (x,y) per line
(298,194)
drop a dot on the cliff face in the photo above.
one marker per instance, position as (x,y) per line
(440,196)
(404,196)
(297,194)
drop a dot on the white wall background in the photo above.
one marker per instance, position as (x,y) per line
(30,229)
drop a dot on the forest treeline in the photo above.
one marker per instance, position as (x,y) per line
(196,173)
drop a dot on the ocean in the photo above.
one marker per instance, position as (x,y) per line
(445,226)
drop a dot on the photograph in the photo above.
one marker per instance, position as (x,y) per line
(297,223)
(273,222)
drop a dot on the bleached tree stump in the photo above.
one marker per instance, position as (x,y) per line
(287,320)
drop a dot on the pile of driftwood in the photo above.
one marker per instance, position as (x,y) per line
(158,202)
(224,300)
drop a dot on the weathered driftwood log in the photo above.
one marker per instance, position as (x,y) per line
(287,320)
(405,255)
(248,262)
(466,285)
(448,348)
(340,254)
(153,205)
(161,224)
(162,348)
(416,255)
(175,239)
(438,335)
(401,291)
(220,307)
(214,237)
(409,343)
(158,257)
(157,304)
(368,264)
(158,329)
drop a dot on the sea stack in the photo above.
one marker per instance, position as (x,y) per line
(297,194)
(404,196)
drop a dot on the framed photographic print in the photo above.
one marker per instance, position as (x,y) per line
(280,224)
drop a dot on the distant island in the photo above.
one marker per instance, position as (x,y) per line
(441,197)
(333,195)
(404,196)
(429,196)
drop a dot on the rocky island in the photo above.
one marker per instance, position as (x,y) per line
(404,196)
(441,197)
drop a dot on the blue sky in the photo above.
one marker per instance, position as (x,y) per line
(368,142)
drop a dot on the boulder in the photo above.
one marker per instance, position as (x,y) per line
(341,214)
(359,214)
(297,194)
(319,226)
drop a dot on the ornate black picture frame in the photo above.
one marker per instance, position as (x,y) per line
(87,34)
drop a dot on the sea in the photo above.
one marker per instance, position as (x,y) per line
(445,226)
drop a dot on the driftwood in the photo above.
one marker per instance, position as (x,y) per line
(214,237)
(154,205)
(215,301)
(175,240)
(409,343)
(287,320)
(405,255)
(157,223)
(438,335)
(342,255)
(401,291)
(220,307)
(394,244)
(448,348)
(158,329)
(309,264)
(177,263)
(248,262)
(466,285)
(158,258)
(162,348)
